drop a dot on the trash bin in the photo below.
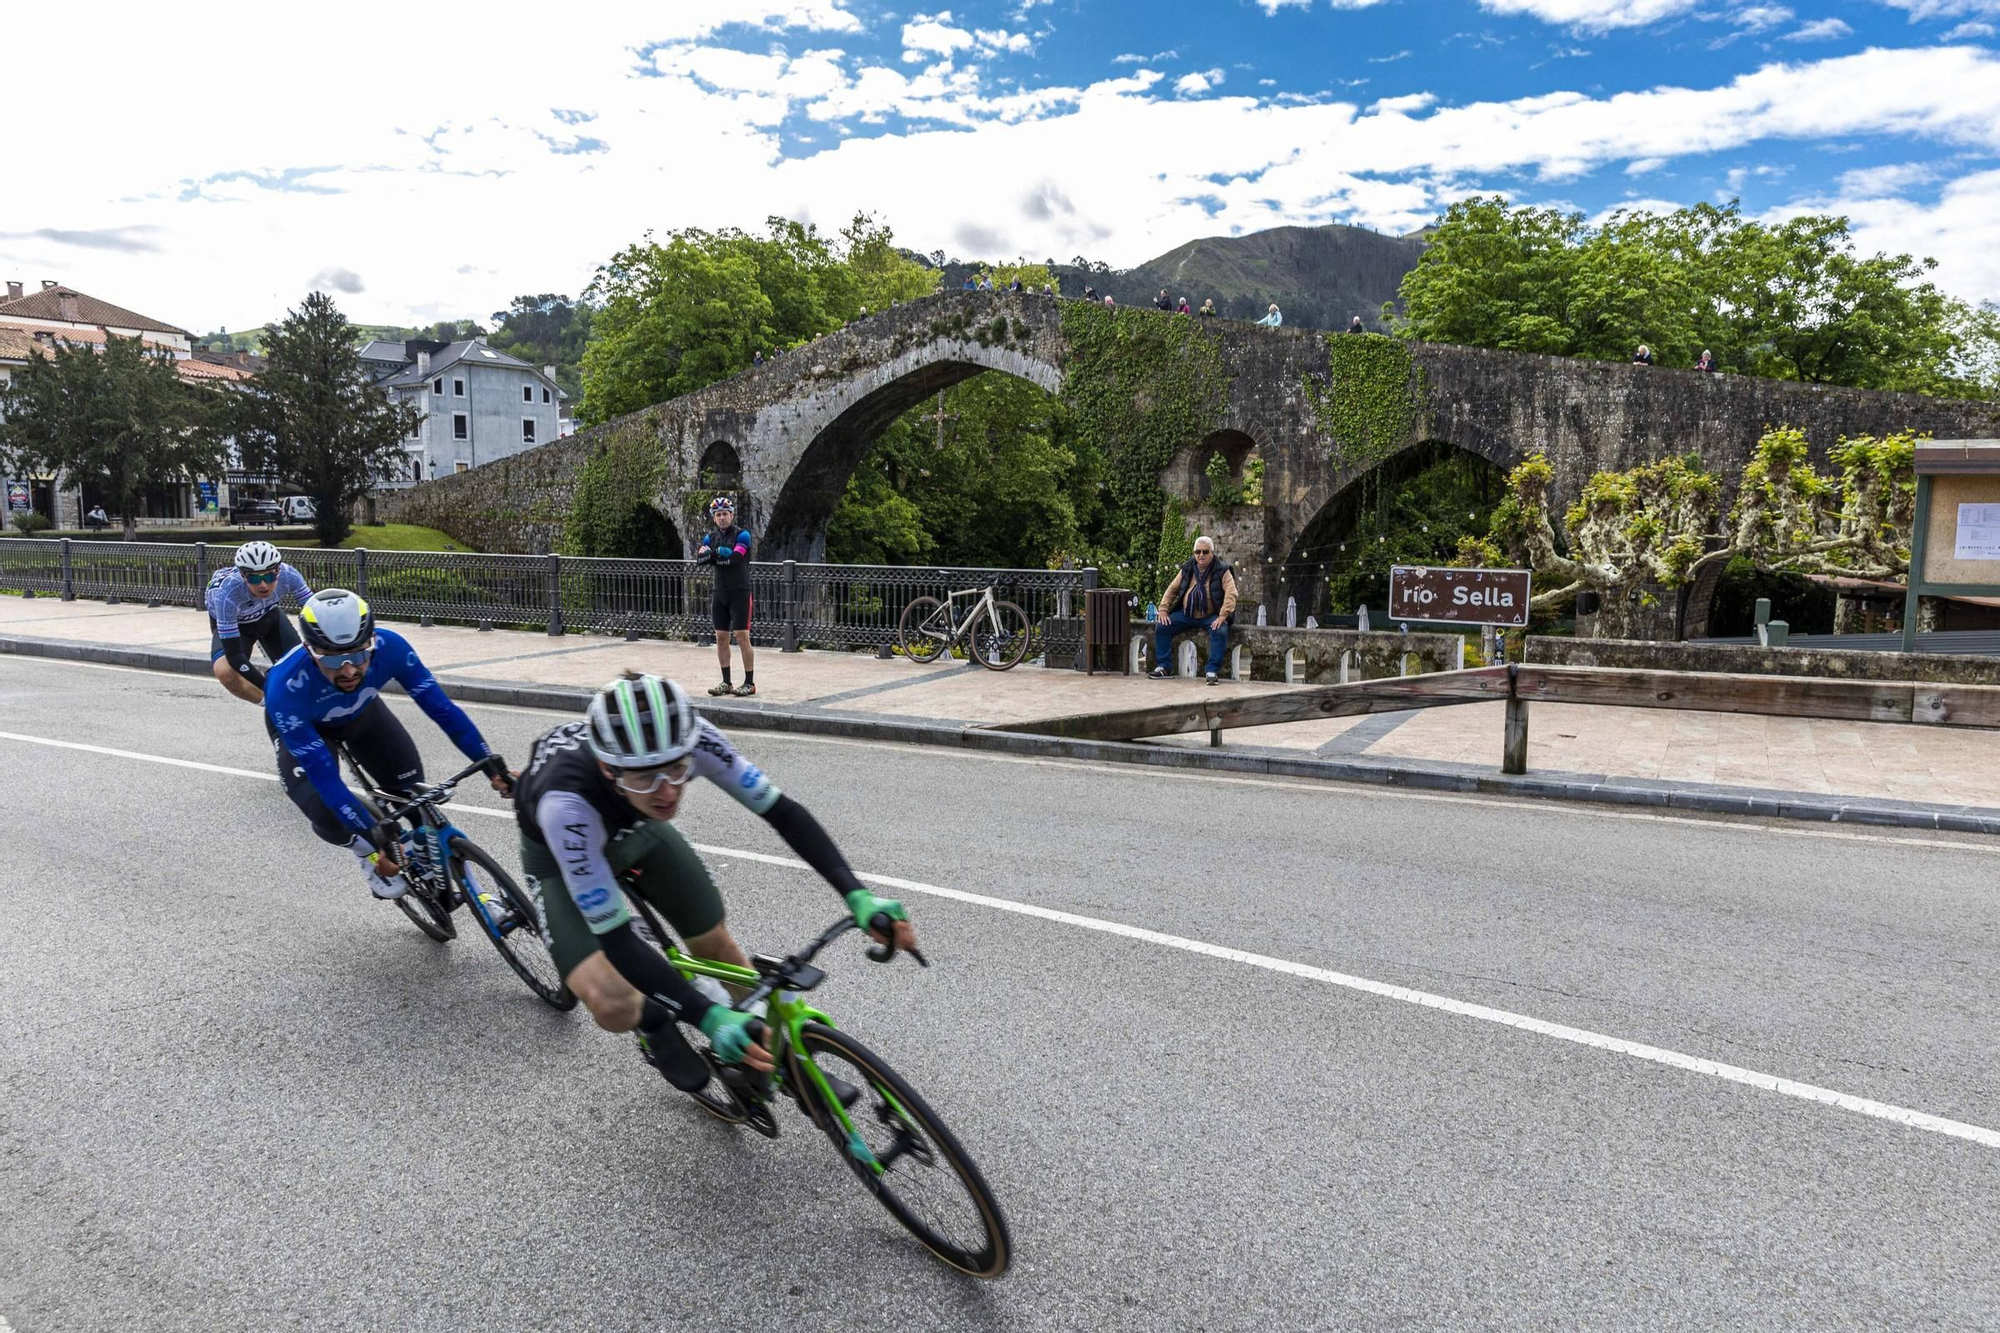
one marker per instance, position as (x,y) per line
(1107,623)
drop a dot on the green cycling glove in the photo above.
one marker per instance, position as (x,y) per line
(865,905)
(728,1031)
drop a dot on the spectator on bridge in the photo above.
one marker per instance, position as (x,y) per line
(1107,299)
(1206,590)
(986,282)
(1354,325)
(1643,357)
(1015,286)
(1272,320)
(1089,292)
(1208,310)
(1163,301)
(756,358)
(1184,308)
(970,285)
(1707,363)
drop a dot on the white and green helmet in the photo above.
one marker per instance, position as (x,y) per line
(641,722)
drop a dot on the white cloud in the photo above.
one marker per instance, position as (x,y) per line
(1267,83)
(541,196)
(1961,230)
(1819,30)
(1273,6)
(1130,59)
(1644,166)
(1192,85)
(1943,9)
(1759,18)
(1401,106)
(933,35)
(1965,32)
(1591,15)
(1870,182)
(1403,54)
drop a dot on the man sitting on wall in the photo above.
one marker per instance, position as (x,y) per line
(1206,590)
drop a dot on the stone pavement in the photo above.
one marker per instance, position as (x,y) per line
(1711,752)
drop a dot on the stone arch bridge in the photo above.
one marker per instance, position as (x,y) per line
(786,435)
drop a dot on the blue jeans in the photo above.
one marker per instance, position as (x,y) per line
(1180,622)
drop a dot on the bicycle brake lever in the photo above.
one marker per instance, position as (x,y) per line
(882,953)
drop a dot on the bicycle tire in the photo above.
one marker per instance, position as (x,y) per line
(523,946)
(917,646)
(423,913)
(994,1247)
(712,1097)
(1010,646)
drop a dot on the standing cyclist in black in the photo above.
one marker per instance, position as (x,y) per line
(726,548)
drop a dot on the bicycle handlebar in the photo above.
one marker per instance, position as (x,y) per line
(441,793)
(881,921)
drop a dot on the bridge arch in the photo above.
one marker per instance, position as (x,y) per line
(835,438)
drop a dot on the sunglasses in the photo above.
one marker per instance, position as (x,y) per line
(651,780)
(267,576)
(352,657)
(1199,554)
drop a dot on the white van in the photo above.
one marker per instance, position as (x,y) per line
(299,508)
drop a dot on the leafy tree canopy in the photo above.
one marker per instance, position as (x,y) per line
(1791,300)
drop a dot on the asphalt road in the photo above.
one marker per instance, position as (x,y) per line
(236,1093)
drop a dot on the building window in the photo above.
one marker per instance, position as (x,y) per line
(527,393)
(527,430)
(459,429)
(461,465)
(458,388)
(545,395)
(437,387)
(416,469)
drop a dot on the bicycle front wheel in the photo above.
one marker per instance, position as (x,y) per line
(1001,647)
(510,921)
(425,913)
(907,1158)
(921,644)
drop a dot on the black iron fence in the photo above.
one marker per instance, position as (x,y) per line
(794,605)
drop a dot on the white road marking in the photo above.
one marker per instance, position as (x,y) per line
(1330,788)
(1693,1064)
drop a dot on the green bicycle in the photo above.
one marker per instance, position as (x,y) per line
(886,1133)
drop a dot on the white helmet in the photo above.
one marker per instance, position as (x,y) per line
(257,555)
(640,722)
(335,620)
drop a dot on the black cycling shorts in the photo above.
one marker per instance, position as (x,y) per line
(732,608)
(271,631)
(378,743)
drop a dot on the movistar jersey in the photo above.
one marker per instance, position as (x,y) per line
(564,801)
(299,700)
(232,603)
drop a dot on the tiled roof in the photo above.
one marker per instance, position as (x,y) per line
(18,340)
(67,303)
(476,352)
(191,369)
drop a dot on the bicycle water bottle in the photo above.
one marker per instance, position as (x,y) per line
(1152,612)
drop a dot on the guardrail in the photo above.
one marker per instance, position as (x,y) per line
(795,605)
(1927,702)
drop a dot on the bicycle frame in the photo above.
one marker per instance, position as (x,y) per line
(442,833)
(788,1018)
(955,629)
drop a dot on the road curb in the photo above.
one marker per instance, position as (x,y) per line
(758,717)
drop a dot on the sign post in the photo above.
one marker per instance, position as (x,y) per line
(1955,539)
(1459,596)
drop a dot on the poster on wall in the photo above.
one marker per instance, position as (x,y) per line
(17,497)
(1978,532)
(208,500)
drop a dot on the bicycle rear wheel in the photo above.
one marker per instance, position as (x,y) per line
(919,644)
(1001,649)
(919,1172)
(510,921)
(425,913)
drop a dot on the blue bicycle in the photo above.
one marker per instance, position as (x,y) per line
(447,870)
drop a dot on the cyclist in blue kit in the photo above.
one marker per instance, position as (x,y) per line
(329,690)
(245,611)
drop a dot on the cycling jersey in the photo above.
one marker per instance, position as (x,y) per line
(231,603)
(299,699)
(727,550)
(563,802)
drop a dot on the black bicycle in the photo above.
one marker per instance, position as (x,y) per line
(445,869)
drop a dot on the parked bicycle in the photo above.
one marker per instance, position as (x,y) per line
(991,632)
(888,1135)
(446,870)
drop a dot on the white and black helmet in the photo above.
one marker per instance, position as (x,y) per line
(640,721)
(335,620)
(257,555)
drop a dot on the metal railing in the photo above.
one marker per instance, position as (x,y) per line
(795,605)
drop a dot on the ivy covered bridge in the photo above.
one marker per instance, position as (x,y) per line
(1162,394)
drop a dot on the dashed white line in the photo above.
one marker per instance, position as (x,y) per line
(1693,1064)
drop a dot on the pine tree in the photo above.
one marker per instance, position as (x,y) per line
(316,422)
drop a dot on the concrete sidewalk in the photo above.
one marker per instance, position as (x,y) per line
(1766,760)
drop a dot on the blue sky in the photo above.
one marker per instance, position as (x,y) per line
(431,178)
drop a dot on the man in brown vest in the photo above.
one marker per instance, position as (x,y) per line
(1206,591)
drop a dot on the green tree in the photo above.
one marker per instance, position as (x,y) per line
(677,315)
(121,420)
(883,275)
(1793,300)
(546,330)
(312,419)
